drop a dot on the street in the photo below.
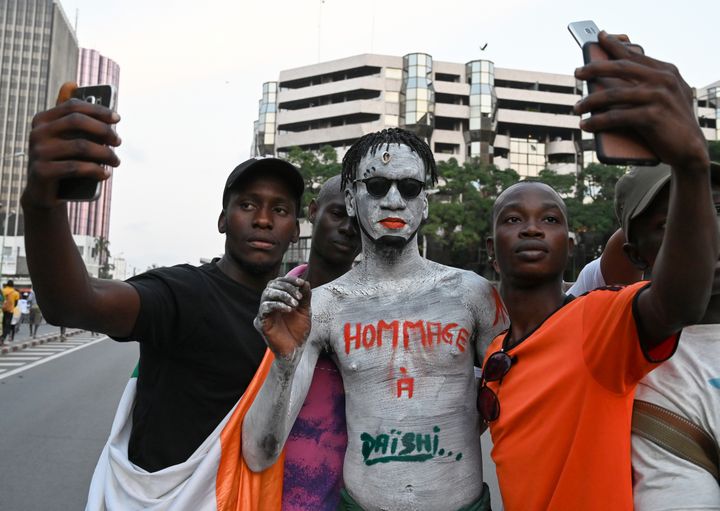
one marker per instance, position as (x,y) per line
(54,420)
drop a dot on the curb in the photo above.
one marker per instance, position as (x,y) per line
(29,343)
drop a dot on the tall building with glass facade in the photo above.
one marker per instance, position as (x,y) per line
(90,221)
(39,52)
(513,118)
(93,218)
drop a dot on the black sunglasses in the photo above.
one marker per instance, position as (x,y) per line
(497,366)
(378,187)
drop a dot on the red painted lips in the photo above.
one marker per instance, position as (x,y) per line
(392,223)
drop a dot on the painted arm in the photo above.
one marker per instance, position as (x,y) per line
(284,322)
(659,108)
(74,139)
(491,316)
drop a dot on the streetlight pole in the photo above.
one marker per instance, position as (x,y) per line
(18,154)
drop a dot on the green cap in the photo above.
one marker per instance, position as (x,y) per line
(636,190)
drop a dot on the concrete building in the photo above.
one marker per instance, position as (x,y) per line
(513,118)
(39,52)
(708,110)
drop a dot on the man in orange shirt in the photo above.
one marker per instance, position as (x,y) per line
(558,387)
(10,299)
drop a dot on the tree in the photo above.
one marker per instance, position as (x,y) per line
(564,184)
(461,212)
(101,250)
(714,147)
(316,168)
(591,210)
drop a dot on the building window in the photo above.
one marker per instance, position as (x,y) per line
(393,73)
(527,156)
(392,97)
(441,148)
(480,75)
(265,126)
(417,96)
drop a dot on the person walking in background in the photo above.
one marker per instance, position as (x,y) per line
(24,309)
(35,316)
(10,299)
(15,321)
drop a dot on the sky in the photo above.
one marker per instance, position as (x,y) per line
(191,75)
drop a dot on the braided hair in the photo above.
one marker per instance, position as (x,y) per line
(373,141)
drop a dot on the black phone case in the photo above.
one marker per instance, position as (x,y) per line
(616,147)
(79,189)
(83,189)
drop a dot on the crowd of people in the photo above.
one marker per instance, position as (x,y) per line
(353,386)
(18,308)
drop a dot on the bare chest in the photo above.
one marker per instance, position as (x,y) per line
(401,341)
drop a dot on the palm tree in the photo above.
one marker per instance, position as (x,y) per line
(101,250)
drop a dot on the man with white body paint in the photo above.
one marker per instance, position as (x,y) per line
(405,333)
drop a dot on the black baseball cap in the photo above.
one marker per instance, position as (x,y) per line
(283,169)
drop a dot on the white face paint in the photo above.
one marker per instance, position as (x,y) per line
(391,215)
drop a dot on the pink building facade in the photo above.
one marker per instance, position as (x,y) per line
(93,218)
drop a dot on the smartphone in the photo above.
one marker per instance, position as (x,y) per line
(82,188)
(614,147)
(584,32)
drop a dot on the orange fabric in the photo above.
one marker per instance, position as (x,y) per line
(237,487)
(10,298)
(562,440)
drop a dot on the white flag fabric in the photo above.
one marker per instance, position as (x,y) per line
(214,478)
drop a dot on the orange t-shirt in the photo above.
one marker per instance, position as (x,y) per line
(562,439)
(11,296)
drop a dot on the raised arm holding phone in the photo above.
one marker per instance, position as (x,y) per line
(198,348)
(557,389)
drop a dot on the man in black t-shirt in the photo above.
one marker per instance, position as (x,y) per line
(198,349)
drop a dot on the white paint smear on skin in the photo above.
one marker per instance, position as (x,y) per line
(403,331)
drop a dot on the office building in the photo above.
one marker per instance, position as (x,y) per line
(510,117)
(39,52)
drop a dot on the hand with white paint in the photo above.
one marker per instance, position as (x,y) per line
(284,316)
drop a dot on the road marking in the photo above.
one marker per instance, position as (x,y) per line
(11,364)
(52,357)
(19,358)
